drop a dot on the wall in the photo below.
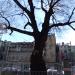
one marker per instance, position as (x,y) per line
(18,53)
(50,55)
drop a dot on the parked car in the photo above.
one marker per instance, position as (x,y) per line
(54,72)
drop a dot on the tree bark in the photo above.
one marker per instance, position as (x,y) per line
(38,66)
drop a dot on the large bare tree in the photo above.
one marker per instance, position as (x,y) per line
(56,13)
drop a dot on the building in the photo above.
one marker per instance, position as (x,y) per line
(50,49)
(17,54)
(64,51)
(68,51)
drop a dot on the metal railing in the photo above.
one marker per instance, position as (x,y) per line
(28,73)
(52,69)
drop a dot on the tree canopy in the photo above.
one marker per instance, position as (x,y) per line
(19,15)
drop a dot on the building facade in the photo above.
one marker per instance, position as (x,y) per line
(67,51)
(50,54)
(17,54)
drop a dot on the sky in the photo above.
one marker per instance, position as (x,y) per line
(61,37)
(66,37)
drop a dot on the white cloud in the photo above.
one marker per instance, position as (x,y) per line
(67,37)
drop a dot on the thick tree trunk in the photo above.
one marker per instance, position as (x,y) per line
(38,66)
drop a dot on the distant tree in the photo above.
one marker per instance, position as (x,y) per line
(56,13)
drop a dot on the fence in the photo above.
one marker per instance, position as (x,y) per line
(52,69)
(28,73)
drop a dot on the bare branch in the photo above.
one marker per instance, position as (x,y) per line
(71,15)
(21,31)
(15,14)
(48,2)
(28,23)
(26,16)
(11,32)
(7,22)
(29,13)
(31,5)
(55,3)
(23,8)
(54,19)
(32,17)
(5,19)
(71,27)
(43,7)
(15,29)
(51,3)
(61,24)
